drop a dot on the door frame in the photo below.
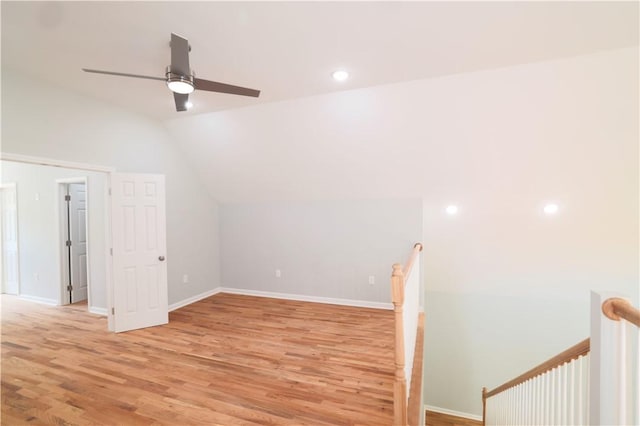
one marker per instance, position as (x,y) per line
(62,186)
(20,158)
(12,186)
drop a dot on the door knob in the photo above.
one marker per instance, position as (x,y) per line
(161,258)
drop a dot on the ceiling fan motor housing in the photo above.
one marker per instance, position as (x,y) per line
(179,83)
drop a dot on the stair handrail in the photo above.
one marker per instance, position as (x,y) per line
(568,355)
(563,357)
(417,248)
(617,308)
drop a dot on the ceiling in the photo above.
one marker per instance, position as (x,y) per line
(289,49)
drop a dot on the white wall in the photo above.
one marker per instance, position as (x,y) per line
(41,120)
(323,248)
(38,229)
(499,143)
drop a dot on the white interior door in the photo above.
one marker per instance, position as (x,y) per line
(139,248)
(78,234)
(9,230)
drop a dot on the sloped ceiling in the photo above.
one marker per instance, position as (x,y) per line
(289,49)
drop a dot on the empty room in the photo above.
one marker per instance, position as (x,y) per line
(321,213)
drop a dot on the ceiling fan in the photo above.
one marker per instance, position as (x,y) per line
(180,78)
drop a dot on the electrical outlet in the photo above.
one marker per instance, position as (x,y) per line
(36,276)
(278,273)
(185,279)
(372,279)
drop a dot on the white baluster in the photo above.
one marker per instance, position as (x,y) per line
(531,402)
(564,395)
(526,402)
(622,372)
(587,389)
(520,408)
(509,405)
(537,418)
(545,397)
(571,396)
(514,405)
(562,388)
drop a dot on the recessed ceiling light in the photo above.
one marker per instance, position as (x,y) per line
(340,75)
(451,210)
(550,209)
(189,104)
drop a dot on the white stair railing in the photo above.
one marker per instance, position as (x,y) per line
(595,382)
(553,393)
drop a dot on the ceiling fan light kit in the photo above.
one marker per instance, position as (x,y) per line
(181,81)
(177,83)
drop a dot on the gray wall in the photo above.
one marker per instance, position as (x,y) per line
(38,229)
(43,121)
(323,248)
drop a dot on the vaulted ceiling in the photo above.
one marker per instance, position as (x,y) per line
(289,49)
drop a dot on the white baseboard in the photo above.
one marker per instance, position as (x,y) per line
(98,311)
(304,298)
(43,300)
(452,412)
(194,299)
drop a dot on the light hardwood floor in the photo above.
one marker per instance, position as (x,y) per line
(226,360)
(438,419)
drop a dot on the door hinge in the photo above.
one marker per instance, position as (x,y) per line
(113,311)
(68,243)
(69,287)
(111,251)
(109,191)
(67,197)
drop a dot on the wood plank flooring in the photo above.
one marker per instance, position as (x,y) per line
(226,360)
(438,419)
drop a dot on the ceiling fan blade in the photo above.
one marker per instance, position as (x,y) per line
(121,74)
(214,86)
(181,101)
(180,55)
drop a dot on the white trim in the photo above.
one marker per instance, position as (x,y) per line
(42,300)
(194,299)
(452,412)
(11,186)
(8,156)
(98,311)
(305,298)
(108,250)
(274,295)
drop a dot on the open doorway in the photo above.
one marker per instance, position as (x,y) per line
(72,199)
(9,237)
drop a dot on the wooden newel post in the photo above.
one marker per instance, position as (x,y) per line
(400,382)
(484,406)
